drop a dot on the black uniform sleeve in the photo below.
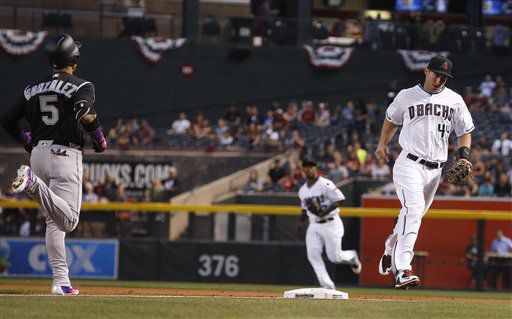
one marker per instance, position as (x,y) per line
(83,101)
(9,119)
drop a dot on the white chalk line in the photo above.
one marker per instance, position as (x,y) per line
(194,296)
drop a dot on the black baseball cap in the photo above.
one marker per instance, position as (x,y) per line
(308,163)
(441,65)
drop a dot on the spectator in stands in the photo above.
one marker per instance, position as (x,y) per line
(336,116)
(500,95)
(503,188)
(221,127)
(113,133)
(368,166)
(226,140)
(352,162)
(323,117)
(381,170)
(486,188)
(90,196)
(487,86)
(133,131)
(502,146)
(501,248)
(269,119)
(275,173)
(253,184)
(480,146)
(232,115)
(291,114)
(254,136)
(86,178)
(271,139)
(469,96)
(279,120)
(347,114)
(373,116)
(295,141)
(181,125)
(307,113)
(337,171)
(170,183)
(252,116)
(201,127)
(479,168)
(146,134)
(124,138)
(472,258)
(328,157)
(360,153)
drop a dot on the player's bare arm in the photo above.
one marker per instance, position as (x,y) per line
(388,131)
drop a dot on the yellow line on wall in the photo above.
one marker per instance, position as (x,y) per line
(269,210)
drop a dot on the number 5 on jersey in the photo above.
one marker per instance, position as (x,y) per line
(46,106)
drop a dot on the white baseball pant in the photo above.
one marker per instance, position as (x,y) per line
(416,186)
(57,187)
(326,235)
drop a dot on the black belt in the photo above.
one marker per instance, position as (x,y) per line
(323,221)
(431,165)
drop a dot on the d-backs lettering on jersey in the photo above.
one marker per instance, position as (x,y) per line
(428,119)
(321,194)
(49,108)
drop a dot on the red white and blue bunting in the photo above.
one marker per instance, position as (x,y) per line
(328,56)
(418,60)
(20,43)
(154,49)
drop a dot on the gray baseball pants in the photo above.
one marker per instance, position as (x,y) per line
(57,187)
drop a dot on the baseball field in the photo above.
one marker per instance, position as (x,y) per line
(30,298)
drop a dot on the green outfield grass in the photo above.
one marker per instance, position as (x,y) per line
(91,307)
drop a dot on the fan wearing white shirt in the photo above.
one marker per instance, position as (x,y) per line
(181,125)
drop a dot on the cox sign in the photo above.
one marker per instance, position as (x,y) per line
(86,258)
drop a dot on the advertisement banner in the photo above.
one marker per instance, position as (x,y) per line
(92,258)
(134,176)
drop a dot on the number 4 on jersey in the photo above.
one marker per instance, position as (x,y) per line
(443,128)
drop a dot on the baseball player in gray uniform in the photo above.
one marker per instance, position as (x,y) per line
(60,110)
(428,113)
(320,201)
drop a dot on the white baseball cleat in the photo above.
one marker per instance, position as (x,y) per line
(406,279)
(385,265)
(64,291)
(356,265)
(23,180)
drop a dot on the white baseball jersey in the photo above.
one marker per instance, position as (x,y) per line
(323,193)
(427,119)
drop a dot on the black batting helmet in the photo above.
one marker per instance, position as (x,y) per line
(62,50)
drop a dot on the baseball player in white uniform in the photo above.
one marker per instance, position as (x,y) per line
(320,201)
(428,113)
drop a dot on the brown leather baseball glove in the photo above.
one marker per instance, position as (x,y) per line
(460,172)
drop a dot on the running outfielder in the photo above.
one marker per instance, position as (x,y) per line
(320,201)
(59,108)
(428,113)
